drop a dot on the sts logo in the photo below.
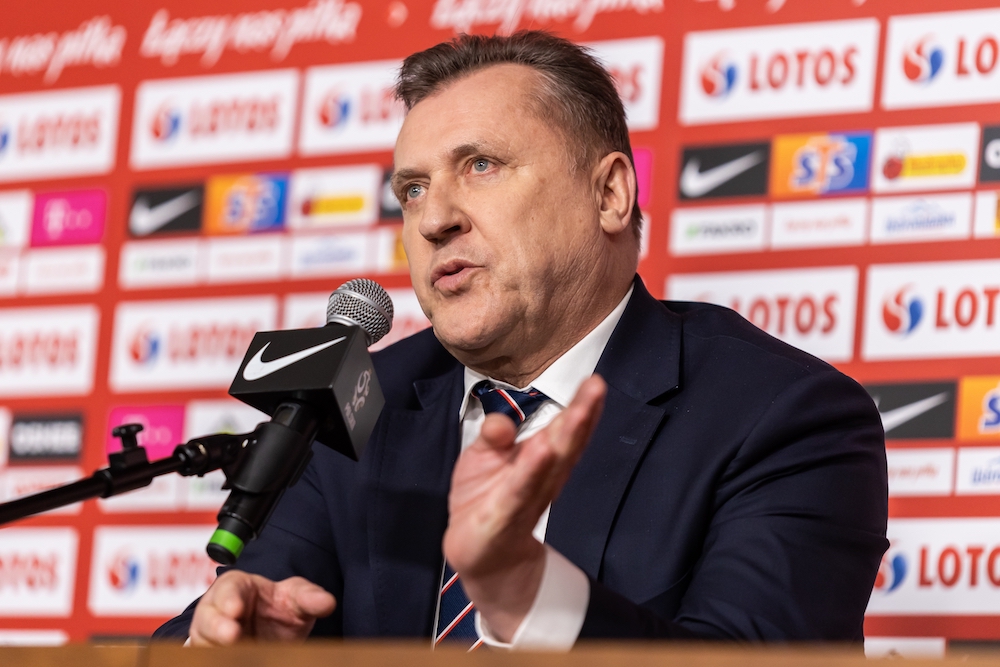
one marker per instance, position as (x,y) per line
(145,347)
(923,60)
(989,422)
(902,313)
(804,165)
(334,109)
(891,573)
(166,123)
(718,76)
(123,573)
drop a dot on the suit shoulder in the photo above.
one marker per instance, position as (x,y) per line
(416,357)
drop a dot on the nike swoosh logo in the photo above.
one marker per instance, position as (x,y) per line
(899,416)
(144,219)
(257,368)
(695,183)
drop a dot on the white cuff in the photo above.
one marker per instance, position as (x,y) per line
(556,616)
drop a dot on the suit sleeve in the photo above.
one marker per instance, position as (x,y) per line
(797,532)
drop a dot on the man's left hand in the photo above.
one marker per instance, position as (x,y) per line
(499,490)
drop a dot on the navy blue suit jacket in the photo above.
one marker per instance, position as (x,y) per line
(735,487)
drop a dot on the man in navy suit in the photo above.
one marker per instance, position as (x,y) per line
(732,487)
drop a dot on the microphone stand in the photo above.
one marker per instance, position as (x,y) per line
(130,469)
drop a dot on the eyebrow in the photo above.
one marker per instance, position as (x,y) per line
(465,150)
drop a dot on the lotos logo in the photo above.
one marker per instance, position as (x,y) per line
(145,347)
(334,109)
(891,573)
(166,123)
(123,572)
(901,313)
(718,76)
(923,60)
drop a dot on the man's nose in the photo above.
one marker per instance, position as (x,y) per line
(443,214)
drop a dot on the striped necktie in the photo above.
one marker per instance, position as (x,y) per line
(456,617)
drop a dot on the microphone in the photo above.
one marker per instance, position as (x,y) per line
(317,384)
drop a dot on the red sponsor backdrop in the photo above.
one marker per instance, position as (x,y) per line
(177,175)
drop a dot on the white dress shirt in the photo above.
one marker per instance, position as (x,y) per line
(560,606)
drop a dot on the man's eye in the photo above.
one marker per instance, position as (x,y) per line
(413,191)
(481,165)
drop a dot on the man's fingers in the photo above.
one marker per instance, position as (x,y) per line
(307,600)
(218,617)
(498,432)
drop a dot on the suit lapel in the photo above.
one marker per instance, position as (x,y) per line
(640,363)
(416,451)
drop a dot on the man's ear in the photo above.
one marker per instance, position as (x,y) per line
(614,185)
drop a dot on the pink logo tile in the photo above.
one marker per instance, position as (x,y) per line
(69,218)
(643,158)
(163,428)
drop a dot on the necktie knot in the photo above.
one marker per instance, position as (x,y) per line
(518,405)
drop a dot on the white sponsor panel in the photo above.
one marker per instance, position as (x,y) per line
(302,311)
(62,270)
(169,263)
(922,471)
(905,647)
(71,132)
(245,259)
(180,344)
(388,247)
(986,223)
(637,68)
(37,571)
(837,222)
(317,255)
(932,310)
(212,119)
(33,638)
(978,471)
(205,417)
(16,207)
(939,567)
(6,418)
(350,108)
(926,218)
(162,495)
(942,59)
(46,351)
(148,570)
(334,196)
(803,69)
(707,230)
(20,481)
(925,157)
(10,271)
(812,309)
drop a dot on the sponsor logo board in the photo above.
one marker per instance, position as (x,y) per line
(343,254)
(46,351)
(350,108)
(244,259)
(810,165)
(986,219)
(25,480)
(245,203)
(915,410)
(812,309)
(989,160)
(52,437)
(148,571)
(96,42)
(62,270)
(932,310)
(165,210)
(60,133)
(68,218)
(164,263)
(835,222)
(734,170)
(941,59)
(642,160)
(636,65)
(16,208)
(37,571)
(979,408)
(924,471)
(803,69)
(33,638)
(978,471)
(905,647)
(212,119)
(925,218)
(204,417)
(389,207)
(926,157)
(939,567)
(163,345)
(162,428)
(334,196)
(718,229)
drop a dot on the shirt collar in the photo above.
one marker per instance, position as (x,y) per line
(561,379)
